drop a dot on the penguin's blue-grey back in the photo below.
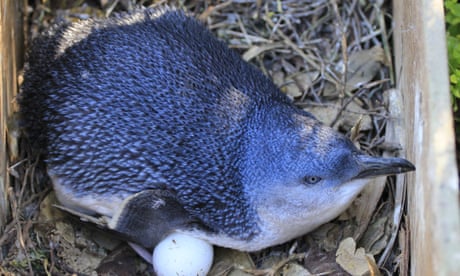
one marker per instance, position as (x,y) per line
(144,100)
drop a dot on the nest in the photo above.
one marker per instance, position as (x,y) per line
(332,57)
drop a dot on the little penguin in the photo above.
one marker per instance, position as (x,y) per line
(148,121)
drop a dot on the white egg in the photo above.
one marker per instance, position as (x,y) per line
(183,255)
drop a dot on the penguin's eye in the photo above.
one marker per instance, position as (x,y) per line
(311,179)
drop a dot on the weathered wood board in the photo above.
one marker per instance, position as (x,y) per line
(11,58)
(433,196)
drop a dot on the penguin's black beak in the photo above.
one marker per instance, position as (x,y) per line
(377,166)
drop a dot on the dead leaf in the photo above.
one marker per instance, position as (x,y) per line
(278,78)
(294,269)
(347,119)
(354,113)
(376,236)
(354,261)
(49,213)
(364,206)
(363,66)
(294,85)
(231,262)
(305,80)
(271,261)
(292,90)
(324,113)
(330,91)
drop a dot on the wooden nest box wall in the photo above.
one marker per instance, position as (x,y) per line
(11,60)
(422,76)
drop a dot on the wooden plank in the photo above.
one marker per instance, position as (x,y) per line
(433,196)
(11,57)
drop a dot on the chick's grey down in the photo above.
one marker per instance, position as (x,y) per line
(151,101)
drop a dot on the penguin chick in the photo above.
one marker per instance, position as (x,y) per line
(148,120)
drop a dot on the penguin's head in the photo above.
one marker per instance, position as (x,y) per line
(301,173)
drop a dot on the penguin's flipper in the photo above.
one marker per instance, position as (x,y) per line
(148,216)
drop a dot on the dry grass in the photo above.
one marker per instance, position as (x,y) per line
(332,57)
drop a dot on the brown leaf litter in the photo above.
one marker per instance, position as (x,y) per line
(331,57)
